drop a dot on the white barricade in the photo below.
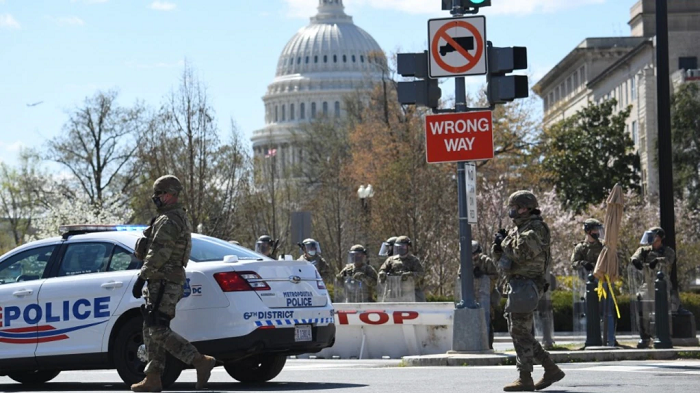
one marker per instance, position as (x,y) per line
(374,330)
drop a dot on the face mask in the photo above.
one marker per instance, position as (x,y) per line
(311,252)
(157,201)
(595,236)
(513,213)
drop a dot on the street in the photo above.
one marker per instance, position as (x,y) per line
(388,376)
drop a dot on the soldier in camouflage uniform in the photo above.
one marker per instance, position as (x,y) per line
(359,269)
(403,263)
(312,253)
(484,266)
(266,246)
(165,250)
(586,253)
(524,253)
(387,248)
(651,258)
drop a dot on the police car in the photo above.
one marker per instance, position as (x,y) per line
(66,304)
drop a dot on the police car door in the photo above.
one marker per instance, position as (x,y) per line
(21,276)
(88,285)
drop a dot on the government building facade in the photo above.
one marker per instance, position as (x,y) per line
(320,65)
(624,68)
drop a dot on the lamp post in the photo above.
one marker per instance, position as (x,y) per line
(364,194)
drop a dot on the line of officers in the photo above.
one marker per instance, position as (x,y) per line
(400,261)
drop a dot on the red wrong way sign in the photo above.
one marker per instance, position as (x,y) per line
(459,137)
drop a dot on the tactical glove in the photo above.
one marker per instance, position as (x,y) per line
(652,264)
(406,275)
(589,266)
(137,290)
(382,276)
(499,236)
(477,272)
(637,264)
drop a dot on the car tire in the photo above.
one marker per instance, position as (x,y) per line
(126,361)
(256,369)
(34,377)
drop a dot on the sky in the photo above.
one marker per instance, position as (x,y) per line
(58,52)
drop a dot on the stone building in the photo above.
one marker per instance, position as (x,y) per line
(319,66)
(624,68)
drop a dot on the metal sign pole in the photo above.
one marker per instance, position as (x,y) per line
(469,327)
(465,230)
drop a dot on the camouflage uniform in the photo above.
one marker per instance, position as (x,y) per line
(527,247)
(585,253)
(396,265)
(169,240)
(324,269)
(365,274)
(661,259)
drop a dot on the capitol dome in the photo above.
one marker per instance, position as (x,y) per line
(324,61)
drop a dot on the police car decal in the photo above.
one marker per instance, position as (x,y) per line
(34,313)
(290,322)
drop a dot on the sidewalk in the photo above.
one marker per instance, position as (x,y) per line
(591,355)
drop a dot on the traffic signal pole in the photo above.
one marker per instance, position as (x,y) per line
(465,230)
(470,327)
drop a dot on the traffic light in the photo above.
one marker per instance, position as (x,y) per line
(447,4)
(502,88)
(422,91)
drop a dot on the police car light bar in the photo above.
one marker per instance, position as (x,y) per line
(67,230)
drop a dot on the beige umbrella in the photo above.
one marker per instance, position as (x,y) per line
(607,266)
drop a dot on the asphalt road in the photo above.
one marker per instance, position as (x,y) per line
(339,376)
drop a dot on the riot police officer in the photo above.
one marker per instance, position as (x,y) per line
(359,270)
(311,252)
(266,246)
(387,248)
(403,263)
(653,256)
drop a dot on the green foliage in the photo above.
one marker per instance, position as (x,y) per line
(685,134)
(590,145)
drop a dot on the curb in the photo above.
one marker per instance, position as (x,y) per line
(499,359)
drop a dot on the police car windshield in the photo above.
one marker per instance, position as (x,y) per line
(210,249)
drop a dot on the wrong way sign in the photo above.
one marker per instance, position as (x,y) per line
(457,46)
(458,137)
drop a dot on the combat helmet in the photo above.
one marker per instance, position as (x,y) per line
(167,184)
(523,198)
(591,224)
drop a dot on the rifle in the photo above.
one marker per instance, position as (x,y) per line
(274,248)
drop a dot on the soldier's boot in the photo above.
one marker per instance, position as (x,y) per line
(552,373)
(150,384)
(204,364)
(522,384)
(644,342)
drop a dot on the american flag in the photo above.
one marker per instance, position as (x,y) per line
(271,153)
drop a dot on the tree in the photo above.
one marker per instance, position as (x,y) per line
(685,136)
(21,193)
(587,153)
(98,146)
(182,139)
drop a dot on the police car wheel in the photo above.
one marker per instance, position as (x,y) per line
(126,359)
(35,377)
(255,369)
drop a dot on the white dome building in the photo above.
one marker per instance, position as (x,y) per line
(322,63)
